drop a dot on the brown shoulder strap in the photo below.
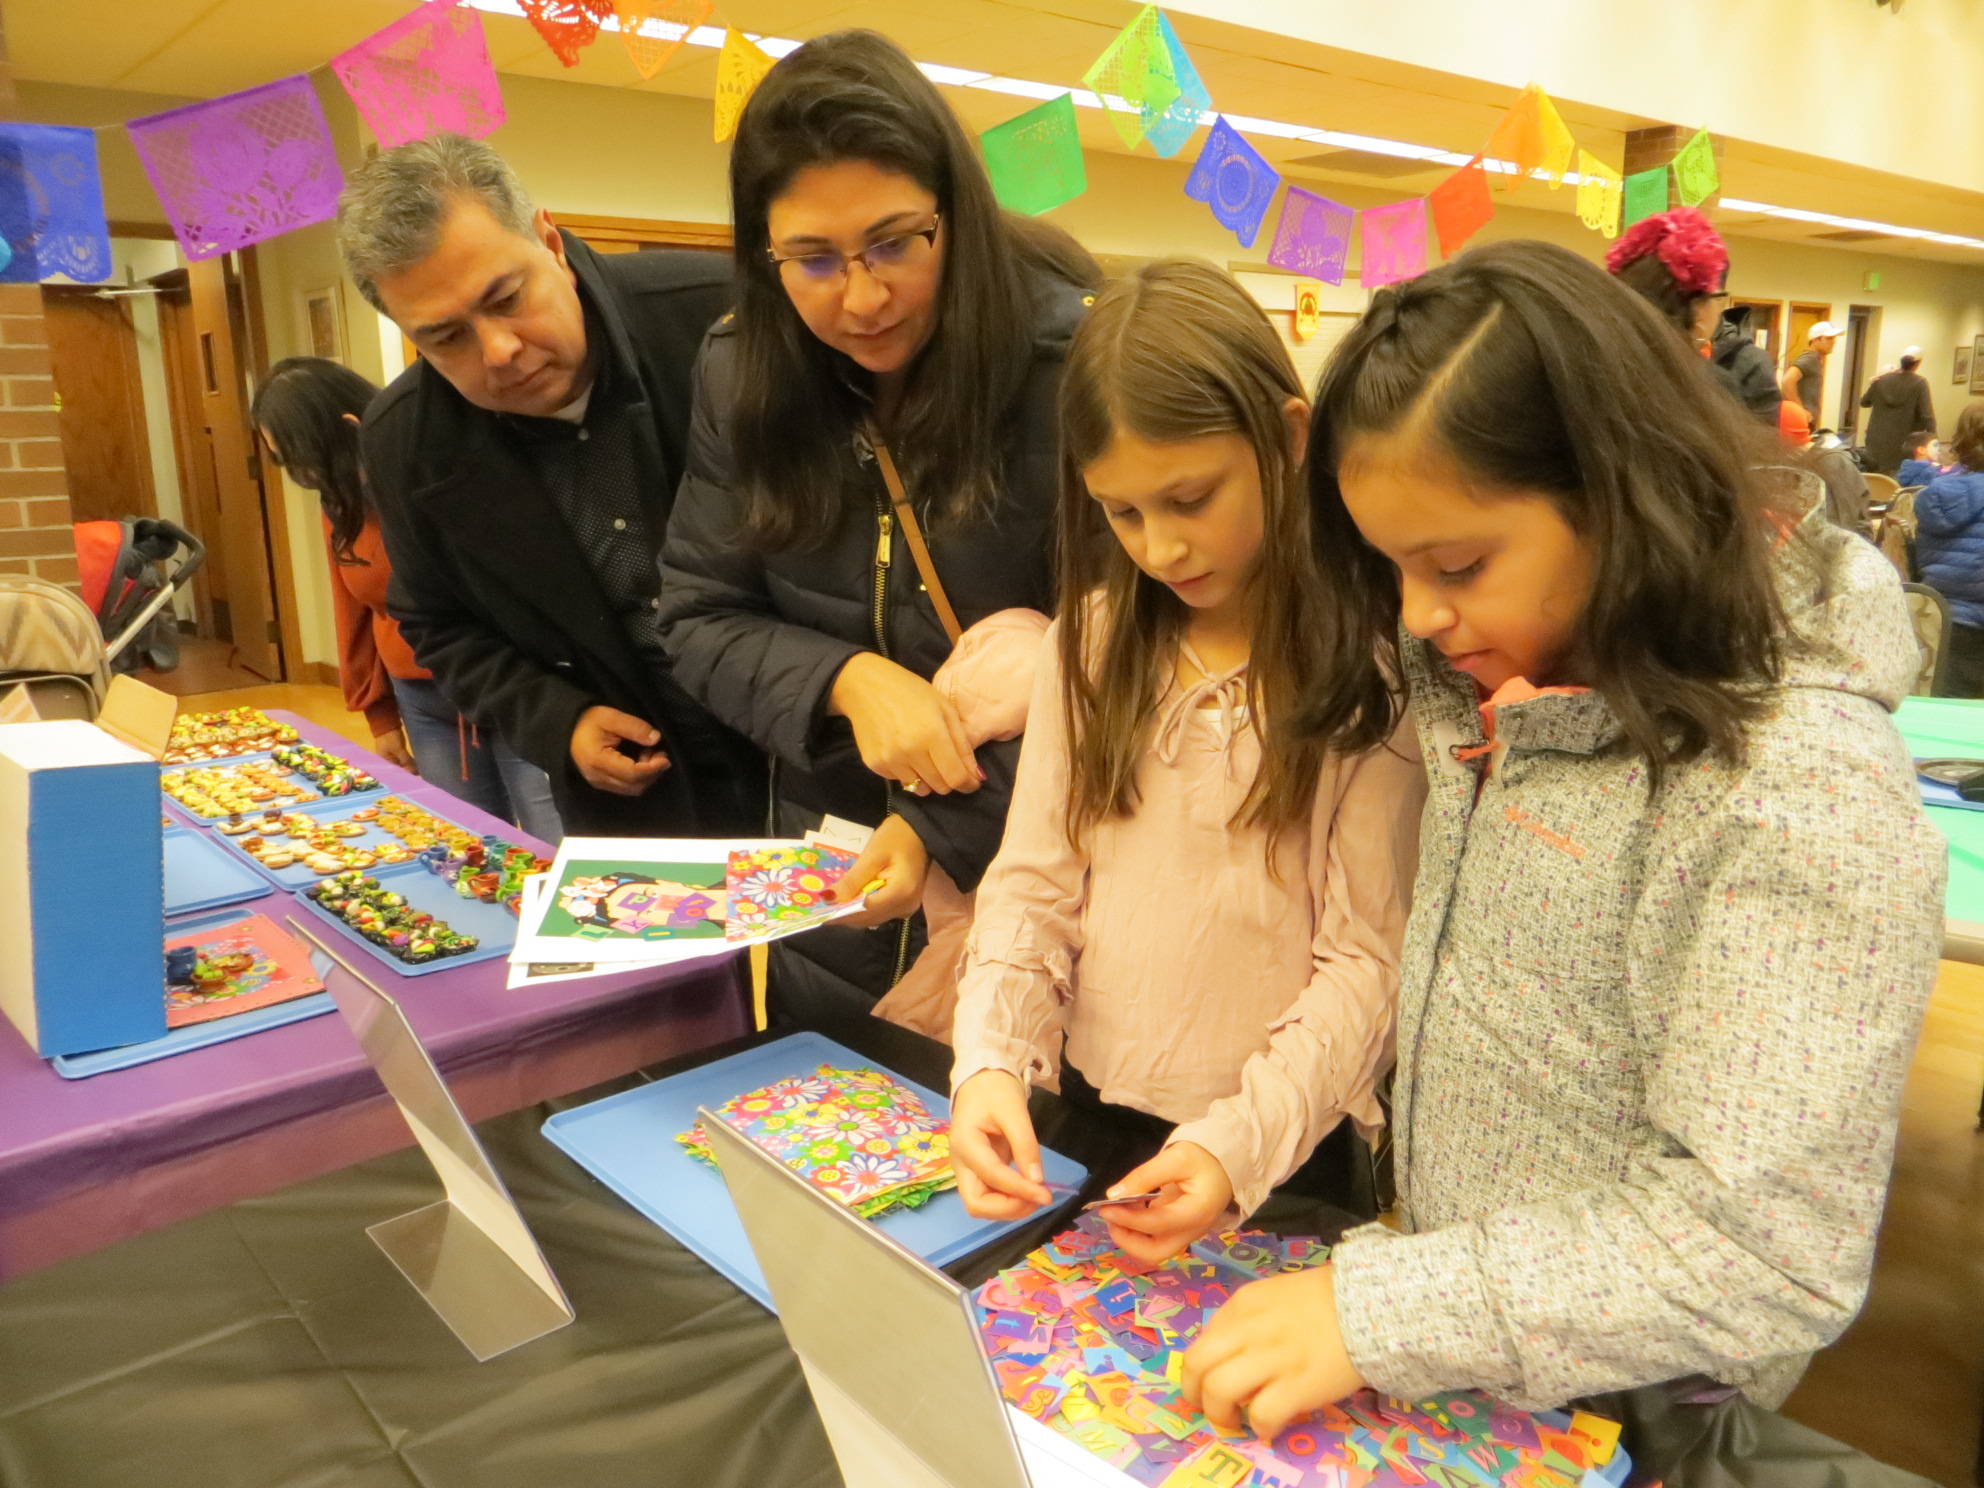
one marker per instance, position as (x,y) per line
(913,531)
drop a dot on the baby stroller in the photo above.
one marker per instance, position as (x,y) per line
(131,570)
(65,650)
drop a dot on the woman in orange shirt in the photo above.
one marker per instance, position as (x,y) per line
(308,411)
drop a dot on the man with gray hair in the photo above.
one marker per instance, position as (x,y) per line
(524,469)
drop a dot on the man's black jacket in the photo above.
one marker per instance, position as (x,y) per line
(492,590)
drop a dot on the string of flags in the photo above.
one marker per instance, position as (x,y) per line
(237,170)
(1154,95)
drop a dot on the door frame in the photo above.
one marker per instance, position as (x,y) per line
(196,492)
(1861,335)
(275,490)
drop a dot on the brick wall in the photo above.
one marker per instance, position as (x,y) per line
(35,535)
(1647,148)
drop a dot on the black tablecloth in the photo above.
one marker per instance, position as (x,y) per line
(273,1343)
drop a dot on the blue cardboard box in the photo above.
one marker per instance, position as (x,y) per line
(82,887)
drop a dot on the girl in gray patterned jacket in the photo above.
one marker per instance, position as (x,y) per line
(1678,906)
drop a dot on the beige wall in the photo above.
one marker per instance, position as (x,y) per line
(1136,205)
(1841,79)
(624,153)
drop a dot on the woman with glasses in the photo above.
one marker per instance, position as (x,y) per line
(883,300)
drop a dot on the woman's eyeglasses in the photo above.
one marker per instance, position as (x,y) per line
(884,260)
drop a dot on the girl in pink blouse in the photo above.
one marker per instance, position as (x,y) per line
(1193,914)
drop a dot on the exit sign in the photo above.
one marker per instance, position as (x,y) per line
(1872,279)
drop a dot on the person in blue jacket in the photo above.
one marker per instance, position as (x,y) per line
(1918,465)
(1949,550)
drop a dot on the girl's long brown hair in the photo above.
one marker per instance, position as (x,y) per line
(1179,351)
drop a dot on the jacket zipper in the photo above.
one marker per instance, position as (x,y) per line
(1482,782)
(885,529)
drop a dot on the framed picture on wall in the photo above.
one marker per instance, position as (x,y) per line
(1962,366)
(323,323)
(1977,365)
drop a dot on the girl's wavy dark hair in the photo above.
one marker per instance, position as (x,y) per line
(1534,371)
(854,95)
(302,404)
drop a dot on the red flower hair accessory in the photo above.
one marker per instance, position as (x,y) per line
(1687,243)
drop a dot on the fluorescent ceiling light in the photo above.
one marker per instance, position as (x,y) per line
(711,37)
(1849,224)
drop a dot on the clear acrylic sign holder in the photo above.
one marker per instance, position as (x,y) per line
(470,1255)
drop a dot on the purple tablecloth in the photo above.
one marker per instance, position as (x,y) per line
(86,1162)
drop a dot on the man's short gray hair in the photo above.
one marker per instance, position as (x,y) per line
(390,215)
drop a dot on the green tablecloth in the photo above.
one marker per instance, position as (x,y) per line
(1942,728)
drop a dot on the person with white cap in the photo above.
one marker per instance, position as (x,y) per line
(1805,379)
(1901,405)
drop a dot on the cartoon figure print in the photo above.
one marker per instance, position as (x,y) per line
(641,905)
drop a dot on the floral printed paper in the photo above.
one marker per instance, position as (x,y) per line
(858,1135)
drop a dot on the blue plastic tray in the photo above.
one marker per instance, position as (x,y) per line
(202,1035)
(492,924)
(1935,793)
(321,803)
(296,876)
(627,1141)
(199,875)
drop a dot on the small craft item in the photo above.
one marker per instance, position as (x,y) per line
(416,830)
(385,918)
(858,1135)
(223,735)
(782,890)
(485,868)
(232,791)
(332,774)
(233,968)
(1090,1342)
(324,847)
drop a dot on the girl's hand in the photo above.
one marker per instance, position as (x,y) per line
(1196,1192)
(993,1148)
(391,747)
(904,729)
(897,861)
(1274,1352)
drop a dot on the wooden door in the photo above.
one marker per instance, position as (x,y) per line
(101,404)
(1765,325)
(249,623)
(199,501)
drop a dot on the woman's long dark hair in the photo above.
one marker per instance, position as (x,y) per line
(302,405)
(1533,370)
(854,95)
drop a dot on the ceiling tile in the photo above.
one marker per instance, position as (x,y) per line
(93,43)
